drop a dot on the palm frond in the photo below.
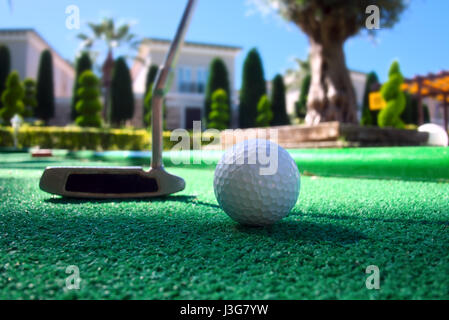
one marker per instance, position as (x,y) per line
(88,43)
(122,32)
(108,25)
(98,29)
(82,36)
(106,32)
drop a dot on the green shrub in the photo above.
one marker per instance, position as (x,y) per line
(395,99)
(12,98)
(5,68)
(151,77)
(147,106)
(45,88)
(369,117)
(89,104)
(76,138)
(253,88)
(83,63)
(301,104)
(411,112)
(278,105)
(6,137)
(148,111)
(264,113)
(29,99)
(218,78)
(122,97)
(219,115)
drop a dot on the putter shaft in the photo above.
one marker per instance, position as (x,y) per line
(163,84)
(127,182)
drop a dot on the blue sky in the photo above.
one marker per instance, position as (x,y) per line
(419,41)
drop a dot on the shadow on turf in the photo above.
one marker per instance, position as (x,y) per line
(165,231)
(194,200)
(284,231)
(176,198)
(383,220)
(310,232)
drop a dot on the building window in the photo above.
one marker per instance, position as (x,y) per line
(201,80)
(185,83)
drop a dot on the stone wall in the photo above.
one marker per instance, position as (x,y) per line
(327,135)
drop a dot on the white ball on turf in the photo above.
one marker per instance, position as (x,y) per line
(437,134)
(252,190)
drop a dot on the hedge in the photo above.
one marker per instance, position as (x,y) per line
(76,138)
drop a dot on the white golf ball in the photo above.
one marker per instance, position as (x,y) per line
(437,135)
(256,182)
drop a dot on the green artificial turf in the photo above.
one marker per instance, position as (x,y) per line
(402,163)
(185,247)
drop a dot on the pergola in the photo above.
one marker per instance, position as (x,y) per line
(431,85)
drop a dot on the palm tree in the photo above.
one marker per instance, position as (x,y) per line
(113,37)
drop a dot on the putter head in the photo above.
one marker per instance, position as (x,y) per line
(109,182)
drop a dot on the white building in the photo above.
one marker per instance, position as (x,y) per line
(185,100)
(26,46)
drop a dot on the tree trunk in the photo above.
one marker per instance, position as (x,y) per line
(331,95)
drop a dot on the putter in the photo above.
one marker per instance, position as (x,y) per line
(127,182)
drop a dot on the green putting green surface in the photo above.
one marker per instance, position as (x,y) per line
(403,163)
(186,247)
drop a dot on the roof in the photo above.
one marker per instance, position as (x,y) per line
(196,44)
(358,72)
(25,30)
(16,30)
(430,85)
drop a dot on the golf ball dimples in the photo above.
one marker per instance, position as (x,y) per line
(252,198)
